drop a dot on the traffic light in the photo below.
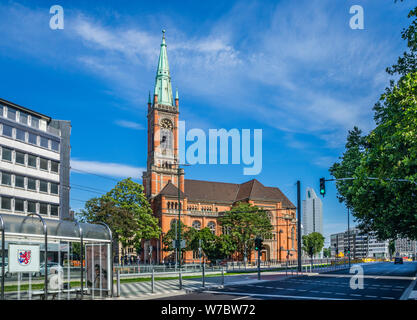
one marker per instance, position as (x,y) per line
(258,243)
(322,186)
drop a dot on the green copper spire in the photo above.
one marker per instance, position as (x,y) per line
(163,80)
(149,98)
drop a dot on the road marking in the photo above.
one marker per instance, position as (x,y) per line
(387,298)
(271,295)
(370,296)
(356,295)
(240,298)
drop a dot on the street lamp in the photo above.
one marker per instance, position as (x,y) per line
(179,172)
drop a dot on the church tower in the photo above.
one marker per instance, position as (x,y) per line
(163,150)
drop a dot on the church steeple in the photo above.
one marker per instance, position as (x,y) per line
(163,88)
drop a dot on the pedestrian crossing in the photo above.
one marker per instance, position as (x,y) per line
(135,289)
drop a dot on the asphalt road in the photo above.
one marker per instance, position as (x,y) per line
(381,281)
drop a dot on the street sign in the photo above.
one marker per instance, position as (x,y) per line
(176,244)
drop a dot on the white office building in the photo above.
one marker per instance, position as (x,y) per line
(34,162)
(312,219)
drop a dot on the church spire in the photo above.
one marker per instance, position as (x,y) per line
(163,88)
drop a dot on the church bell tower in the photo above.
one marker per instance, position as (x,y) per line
(163,112)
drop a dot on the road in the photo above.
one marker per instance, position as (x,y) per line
(381,281)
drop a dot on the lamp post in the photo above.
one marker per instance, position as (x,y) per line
(179,172)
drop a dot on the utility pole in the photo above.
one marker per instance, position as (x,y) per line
(179,217)
(299,226)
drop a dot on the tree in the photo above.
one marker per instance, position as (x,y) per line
(388,152)
(243,223)
(214,247)
(312,244)
(172,234)
(327,252)
(126,211)
(391,248)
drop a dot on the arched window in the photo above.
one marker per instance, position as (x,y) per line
(212,226)
(173,224)
(292,237)
(196,224)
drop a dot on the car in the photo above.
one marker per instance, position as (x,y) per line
(398,260)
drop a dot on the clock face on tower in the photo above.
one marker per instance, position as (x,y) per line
(166,135)
(166,124)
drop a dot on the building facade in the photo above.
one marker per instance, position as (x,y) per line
(34,163)
(368,246)
(202,202)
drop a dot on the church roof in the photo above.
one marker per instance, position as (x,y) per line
(171,190)
(198,190)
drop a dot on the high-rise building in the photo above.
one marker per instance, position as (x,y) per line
(34,162)
(312,219)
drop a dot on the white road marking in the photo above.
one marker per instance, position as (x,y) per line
(271,295)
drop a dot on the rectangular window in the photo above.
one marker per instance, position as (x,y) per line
(11,114)
(43,208)
(7,130)
(31,161)
(20,157)
(35,122)
(31,184)
(23,118)
(54,188)
(55,145)
(6,203)
(44,142)
(6,179)
(6,154)
(43,186)
(44,164)
(1,110)
(19,205)
(54,166)
(31,206)
(20,135)
(33,138)
(54,210)
(19,181)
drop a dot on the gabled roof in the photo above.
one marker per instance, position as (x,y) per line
(172,191)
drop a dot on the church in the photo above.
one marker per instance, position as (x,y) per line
(202,202)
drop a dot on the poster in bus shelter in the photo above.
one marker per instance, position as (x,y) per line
(97,266)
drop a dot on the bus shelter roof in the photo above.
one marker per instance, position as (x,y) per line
(32,226)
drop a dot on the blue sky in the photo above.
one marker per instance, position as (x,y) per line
(294,69)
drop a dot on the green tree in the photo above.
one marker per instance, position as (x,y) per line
(126,211)
(388,152)
(213,247)
(391,248)
(327,252)
(243,223)
(312,244)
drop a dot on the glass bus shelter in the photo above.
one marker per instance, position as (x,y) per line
(54,259)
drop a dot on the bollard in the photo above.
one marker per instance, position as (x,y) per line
(153,280)
(118,282)
(180,279)
(222,276)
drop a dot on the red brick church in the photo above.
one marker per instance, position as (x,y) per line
(202,202)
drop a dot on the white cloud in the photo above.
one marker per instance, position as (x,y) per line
(129,124)
(107,168)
